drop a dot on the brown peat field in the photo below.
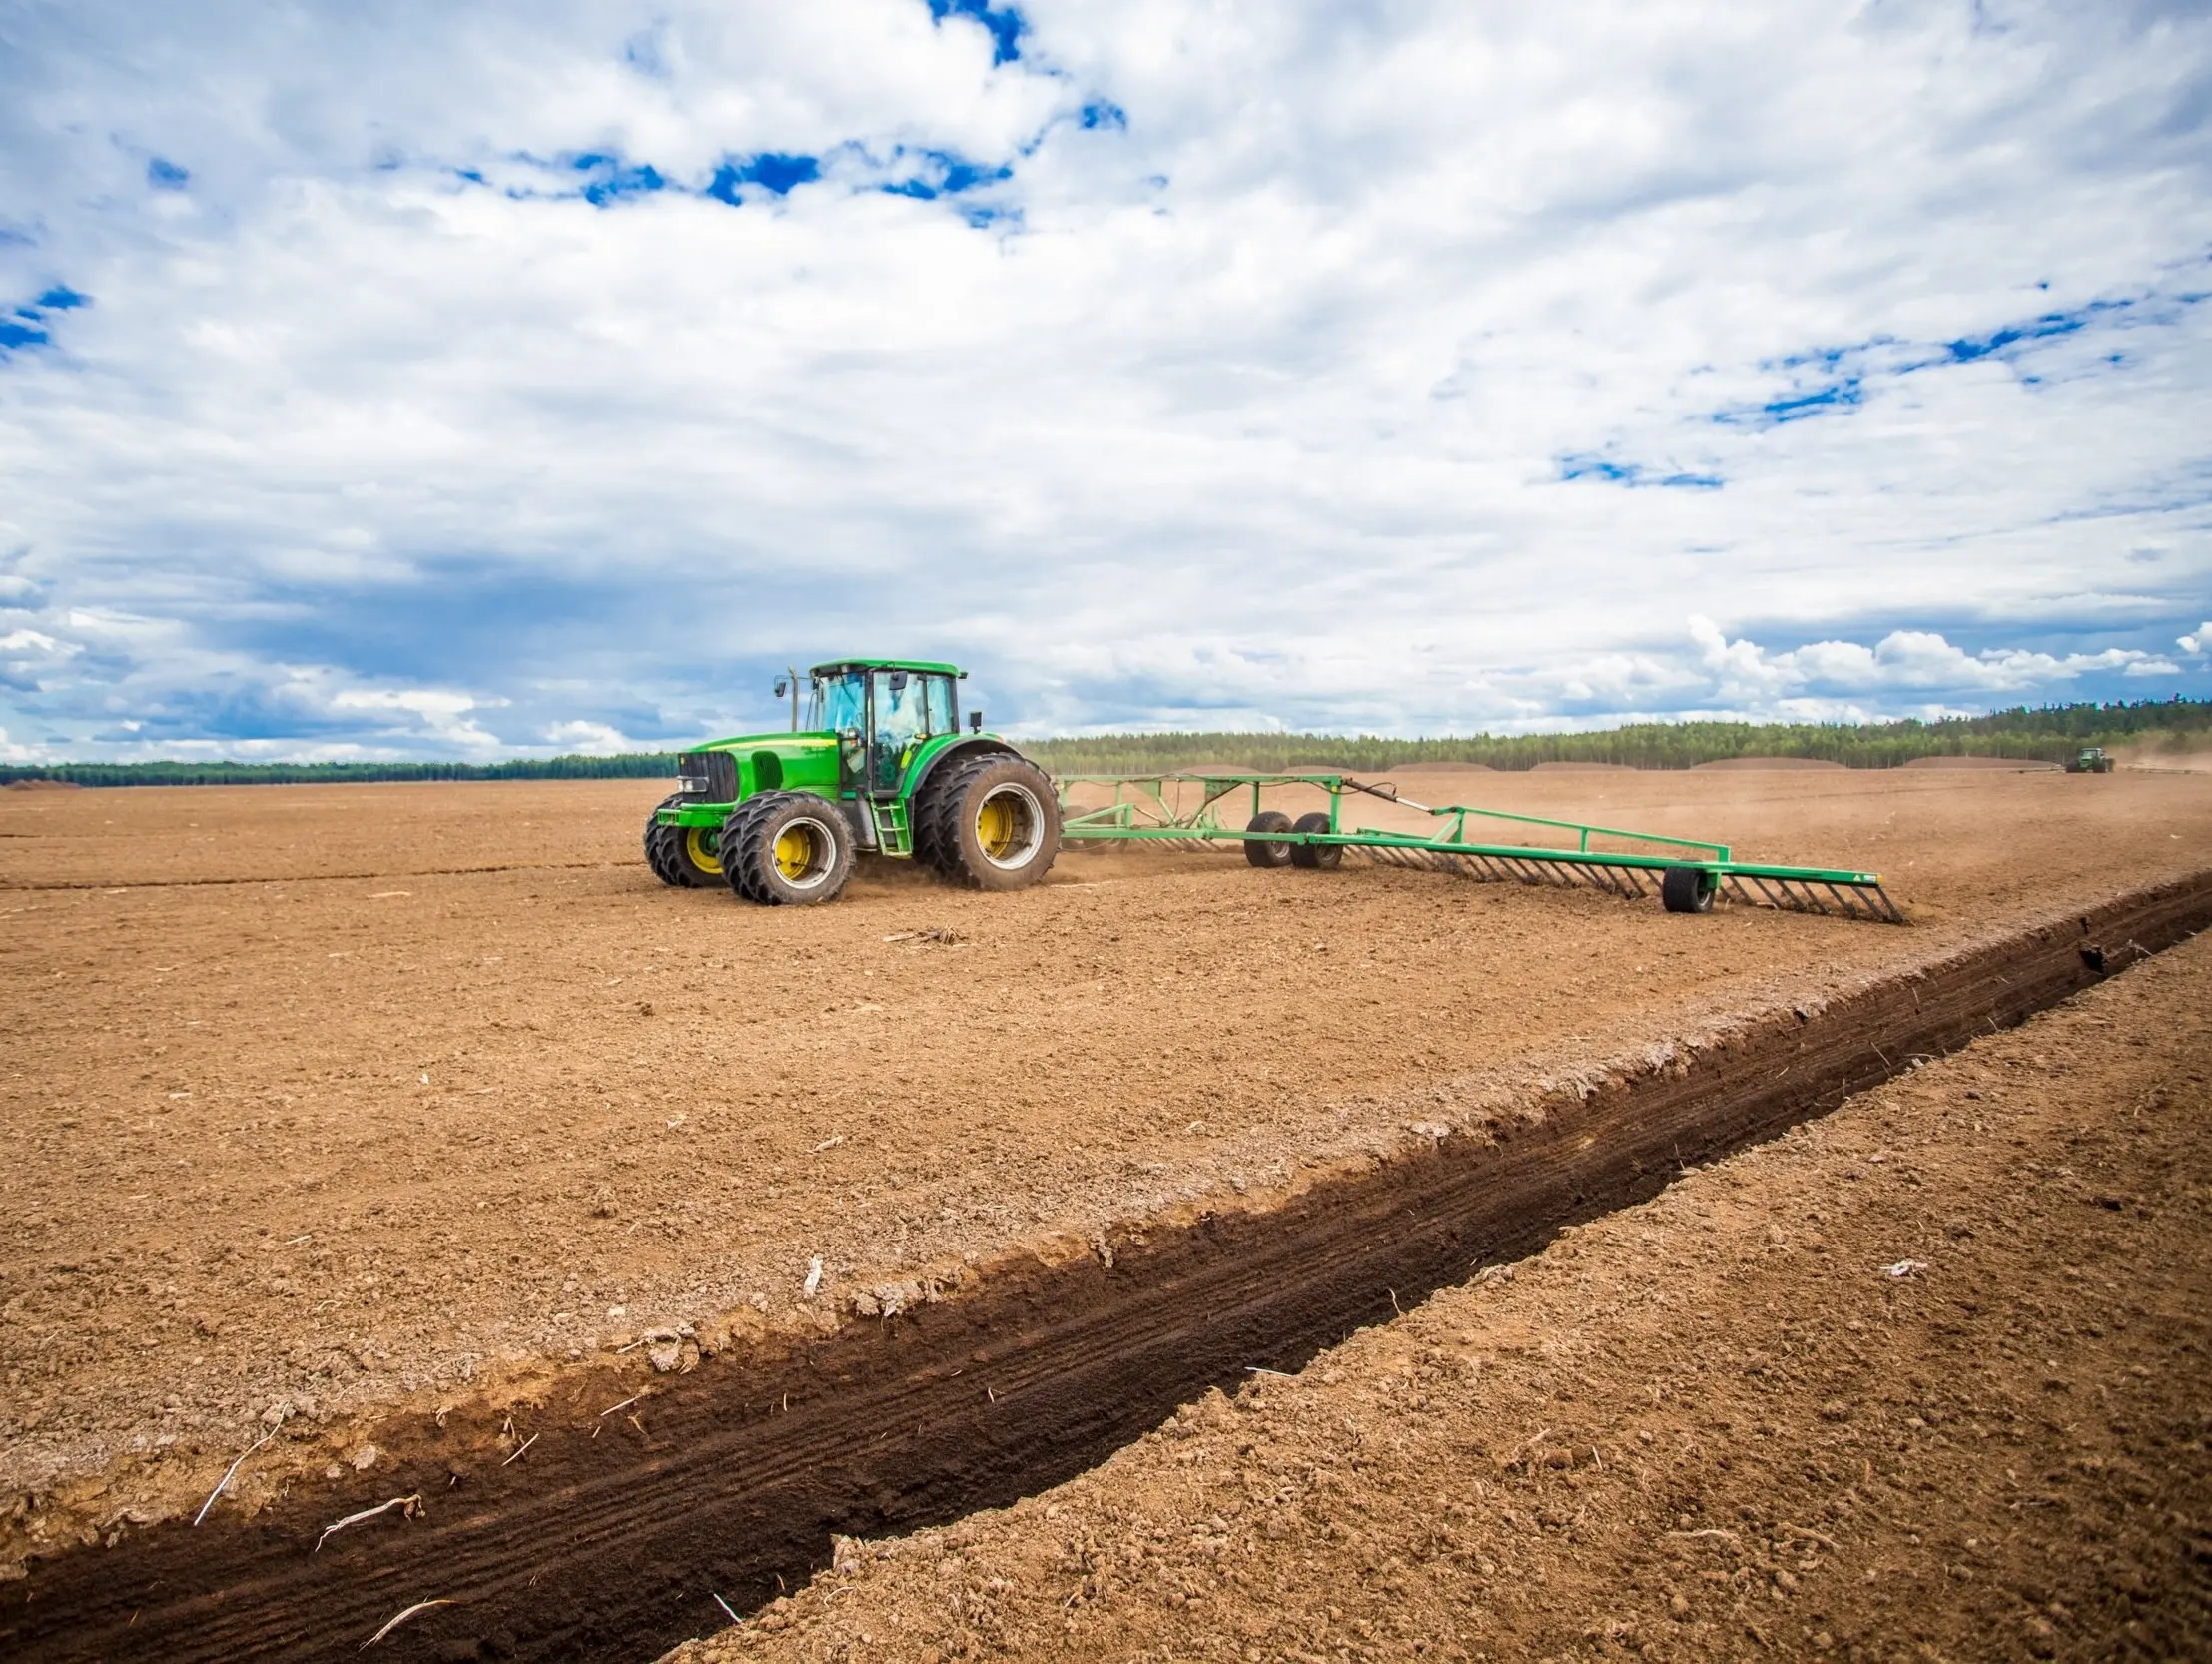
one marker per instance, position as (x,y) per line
(414,1143)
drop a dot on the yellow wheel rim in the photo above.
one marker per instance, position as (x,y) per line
(995,828)
(698,844)
(795,853)
(1009,826)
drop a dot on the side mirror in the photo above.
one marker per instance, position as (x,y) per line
(897,681)
(974,722)
(782,687)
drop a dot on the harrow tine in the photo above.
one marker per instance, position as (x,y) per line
(1826,893)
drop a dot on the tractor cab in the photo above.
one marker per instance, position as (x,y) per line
(883,712)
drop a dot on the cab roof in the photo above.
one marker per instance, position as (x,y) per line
(918,666)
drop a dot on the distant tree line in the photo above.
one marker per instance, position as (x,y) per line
(2052,734)
(630,766)
(2049,733)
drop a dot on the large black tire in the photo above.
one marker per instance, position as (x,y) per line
(681,855)
(1267,854)
(738,836)
(922,817)
(993,822)
(1686,890)
(787,849)
(1315,857)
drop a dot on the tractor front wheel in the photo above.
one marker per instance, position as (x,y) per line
(681,855)
(787,849)
(1315,857)
(993,823)
(1686,890)
(1261,852)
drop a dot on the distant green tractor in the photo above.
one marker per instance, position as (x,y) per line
(2092,759)
(880,766)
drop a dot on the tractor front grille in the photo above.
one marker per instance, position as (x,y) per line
(709,776)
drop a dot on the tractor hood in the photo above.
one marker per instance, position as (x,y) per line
(726,771)
(783,743)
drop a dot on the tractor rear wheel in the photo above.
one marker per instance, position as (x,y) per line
(1686,890)
(993,823)
(1262,853)
(787,849)
(1315,857)
(681,855)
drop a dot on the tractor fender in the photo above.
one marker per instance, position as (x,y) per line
(976,748)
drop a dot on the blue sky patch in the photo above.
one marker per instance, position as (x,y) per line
(1840,393)
(1827,379)
(24,327)
(945,172)
(612,178)
(773,170)
(1102,113)
(1005,24)
(164,174)
(1589,466)
(1970,348)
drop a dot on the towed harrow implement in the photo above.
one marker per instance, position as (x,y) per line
(1186,811)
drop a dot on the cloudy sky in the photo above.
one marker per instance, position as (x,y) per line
(422,379)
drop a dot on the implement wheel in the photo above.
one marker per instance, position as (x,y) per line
(1267,854)
(1686,890)
(787,849)
(993,823)
(1315,857)
(682,855)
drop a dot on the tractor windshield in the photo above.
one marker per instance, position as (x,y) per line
(839,703)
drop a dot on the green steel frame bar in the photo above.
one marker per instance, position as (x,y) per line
(1148,808)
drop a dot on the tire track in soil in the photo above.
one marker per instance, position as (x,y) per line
(612,1537)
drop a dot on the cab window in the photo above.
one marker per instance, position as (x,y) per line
(902,724)
(841,703)
(943,714)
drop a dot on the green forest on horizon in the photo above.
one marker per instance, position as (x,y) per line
(2049,733)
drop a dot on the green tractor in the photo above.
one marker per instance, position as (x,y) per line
(879,766)
(2092,759)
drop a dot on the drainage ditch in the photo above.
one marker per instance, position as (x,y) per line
(615,1538)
